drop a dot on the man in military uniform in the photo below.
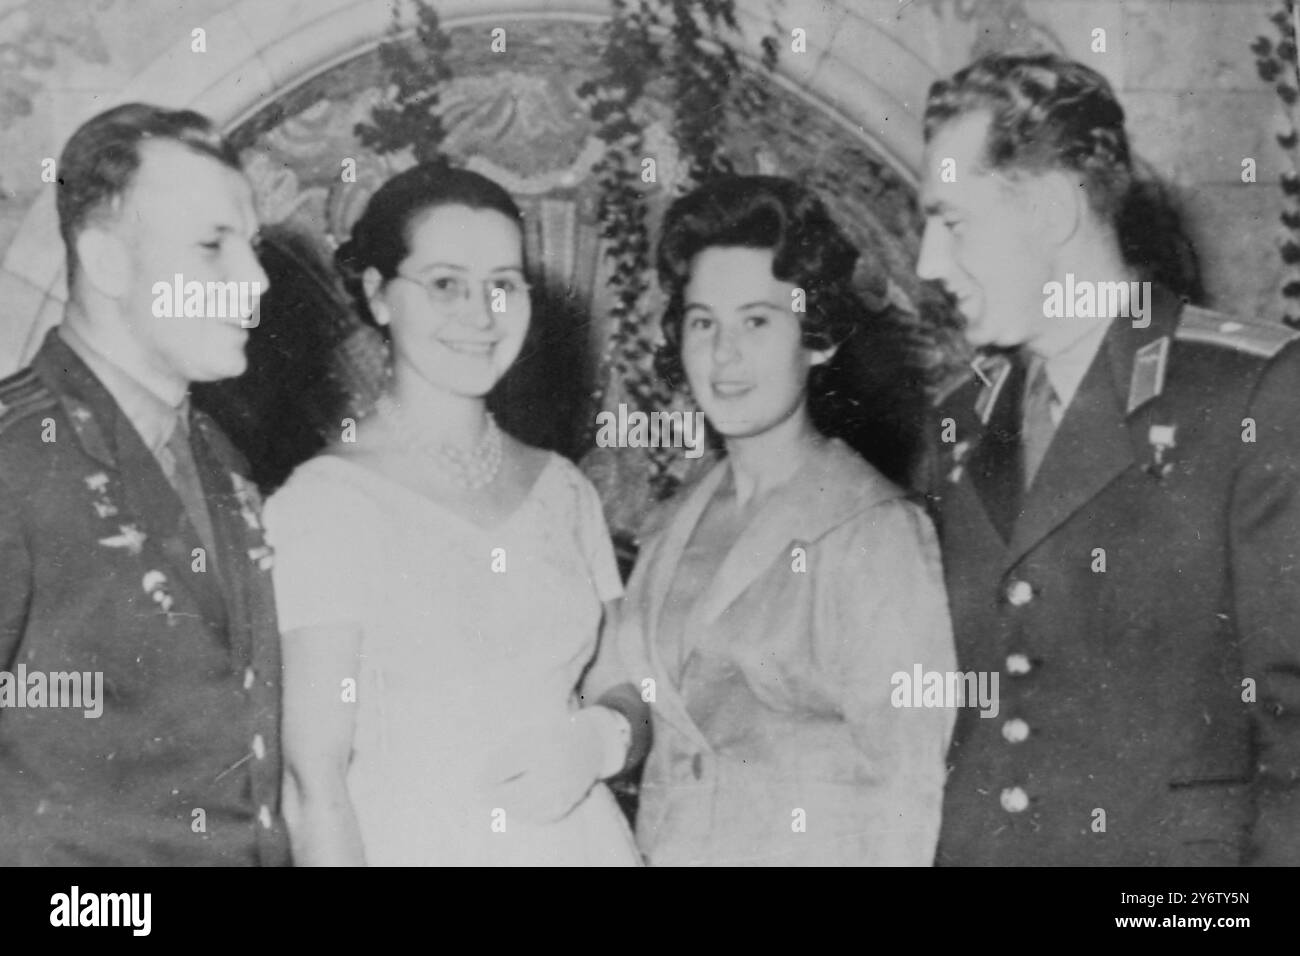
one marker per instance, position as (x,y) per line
(1117,490)
(130,542)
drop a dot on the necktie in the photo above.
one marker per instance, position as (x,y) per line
(1037,426)
(177,460)
(997,468)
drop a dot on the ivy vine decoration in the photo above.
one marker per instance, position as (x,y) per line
(418,72)
(1276,62)
(690,44)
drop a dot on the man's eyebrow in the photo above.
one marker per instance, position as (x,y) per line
(226,229)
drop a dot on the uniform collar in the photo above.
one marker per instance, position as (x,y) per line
(831,486)
(149,404)
(1067,364)
(1138,355)
(1127,349)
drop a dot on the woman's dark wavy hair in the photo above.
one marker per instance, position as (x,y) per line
(1049,112)
(866,393)
(382,236)
(760,212)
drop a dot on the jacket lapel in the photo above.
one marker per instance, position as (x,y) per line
(1090,448)
(833,484)
(1092,445)
(663,557)
(108,437)
(229,527)
(151,497)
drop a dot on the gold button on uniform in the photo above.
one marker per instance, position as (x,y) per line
(248,679)
(264,816)
(1020,593)
(259,747)
(1014,800)
(1018,664)
(1015,730)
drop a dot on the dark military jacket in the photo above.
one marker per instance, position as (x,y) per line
(102,573)
(1141,611)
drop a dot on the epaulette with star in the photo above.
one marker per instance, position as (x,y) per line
(1204,326)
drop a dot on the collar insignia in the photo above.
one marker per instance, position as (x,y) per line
(1148,379)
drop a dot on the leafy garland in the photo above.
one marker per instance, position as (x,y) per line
(419,74)
(1276,63)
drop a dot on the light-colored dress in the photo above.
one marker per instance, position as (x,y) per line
(470,637)
(779,735)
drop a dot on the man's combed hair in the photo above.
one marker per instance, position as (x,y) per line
(1046,112)
(761,212)
(99,162)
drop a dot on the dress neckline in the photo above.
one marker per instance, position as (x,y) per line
(454,515)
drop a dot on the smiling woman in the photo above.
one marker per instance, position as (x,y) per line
(446,576)
(774,599)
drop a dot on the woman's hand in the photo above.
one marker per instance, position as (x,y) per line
(545,772)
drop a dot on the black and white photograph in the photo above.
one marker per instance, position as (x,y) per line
(651,433)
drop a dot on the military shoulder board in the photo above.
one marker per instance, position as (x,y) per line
(1264,339)
(22,392)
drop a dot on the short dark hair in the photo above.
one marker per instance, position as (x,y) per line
(870,393)
(381,237)
(760,212)
(1047,112)
(101,159)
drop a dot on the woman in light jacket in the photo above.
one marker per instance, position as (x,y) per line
(778,601)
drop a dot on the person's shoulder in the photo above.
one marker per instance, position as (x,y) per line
(25,403)
(324,486)
(550,475)
(867,485)
(1225,360)
(23,395)
(534,462)
(1212,329)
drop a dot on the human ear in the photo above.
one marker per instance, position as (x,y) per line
(104,261)
(371,283)
(1059,201)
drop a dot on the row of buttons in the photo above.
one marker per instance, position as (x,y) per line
(1014,731)
(259,751)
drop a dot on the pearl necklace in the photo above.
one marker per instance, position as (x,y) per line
(471,469)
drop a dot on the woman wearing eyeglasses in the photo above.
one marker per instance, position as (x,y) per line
(440,585)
